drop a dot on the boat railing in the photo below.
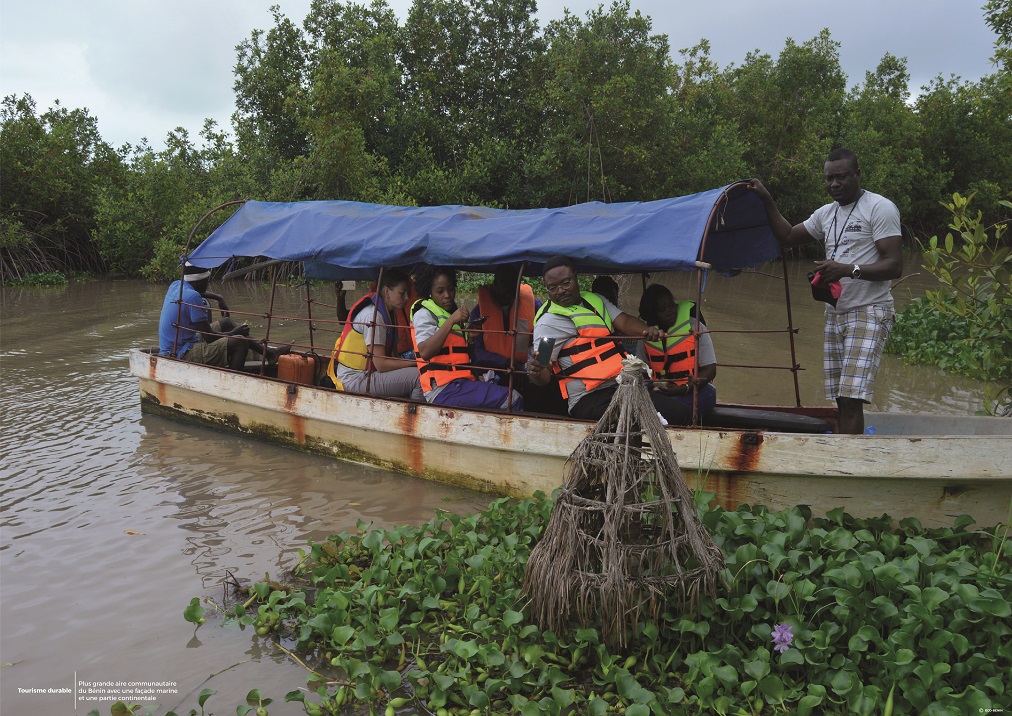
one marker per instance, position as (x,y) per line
(324,333)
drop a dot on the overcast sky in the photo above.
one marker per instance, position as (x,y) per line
(143,67)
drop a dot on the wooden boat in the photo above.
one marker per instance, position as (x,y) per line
(933,468)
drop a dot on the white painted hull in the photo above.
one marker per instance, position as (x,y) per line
(934,478)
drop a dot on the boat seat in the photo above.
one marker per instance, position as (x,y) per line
(760,419)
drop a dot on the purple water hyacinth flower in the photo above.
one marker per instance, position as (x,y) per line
(783,637)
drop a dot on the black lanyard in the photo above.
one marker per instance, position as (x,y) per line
(836,233)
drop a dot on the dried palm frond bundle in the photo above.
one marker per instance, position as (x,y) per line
(624,537)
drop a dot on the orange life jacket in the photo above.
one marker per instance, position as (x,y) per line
(674,356)
(495,338)
(446,365)
(596,355)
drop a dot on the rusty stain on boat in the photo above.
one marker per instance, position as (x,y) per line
(731,486)
(407,421)
(745,455)
(291,397)
(952,492)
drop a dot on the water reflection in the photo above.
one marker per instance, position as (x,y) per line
(237,498)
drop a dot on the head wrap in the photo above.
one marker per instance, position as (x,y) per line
(192,274)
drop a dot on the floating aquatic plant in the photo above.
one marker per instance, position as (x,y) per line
(429,620)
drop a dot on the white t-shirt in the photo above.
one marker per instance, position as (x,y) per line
(426,324)
(359,323)
(849,234)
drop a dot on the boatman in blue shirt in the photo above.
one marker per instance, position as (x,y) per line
(222,343)
(861,234)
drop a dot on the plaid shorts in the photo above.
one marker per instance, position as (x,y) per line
(854,342)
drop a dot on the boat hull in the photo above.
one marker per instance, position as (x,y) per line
(934,478)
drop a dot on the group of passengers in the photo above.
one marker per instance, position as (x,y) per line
(463,358)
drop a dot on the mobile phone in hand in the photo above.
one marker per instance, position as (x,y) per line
(544,350)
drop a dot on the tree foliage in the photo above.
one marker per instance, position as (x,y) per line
(51,168)
(470,101)
(965,325)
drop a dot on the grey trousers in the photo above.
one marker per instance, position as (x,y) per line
(400,383)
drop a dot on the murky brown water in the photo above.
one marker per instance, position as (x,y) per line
(111,521)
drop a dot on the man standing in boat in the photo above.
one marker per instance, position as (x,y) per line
(861,233)
(586,356)
(185,330)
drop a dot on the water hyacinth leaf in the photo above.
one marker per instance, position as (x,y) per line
(792,657)
(932,597)
(847,574)
(205,694)
(528,630)
(531,708)
(563,697)
(637,710)
(492,656)
(996,684)
(443,681)
(437,699)
(929,673)
(510,617)
(631,690)
(597,706)
(777,590)
(194,613)
(843,682)
(533,653)
(556,676)
(808,703)
(990,602)
(518,670)
(959,643)
(757,668)
(389,618)
(465,649)
(391,680)
(772,687)
(676,695)
(478,699)
(884,608)
(726,674)
(588,636)
(804,588)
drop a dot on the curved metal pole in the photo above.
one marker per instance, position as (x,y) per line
(205,217)
(186,252)
(701,266)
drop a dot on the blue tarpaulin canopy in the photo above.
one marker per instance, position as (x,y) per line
(347,239)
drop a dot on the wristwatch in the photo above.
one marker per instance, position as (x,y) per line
(856,273)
